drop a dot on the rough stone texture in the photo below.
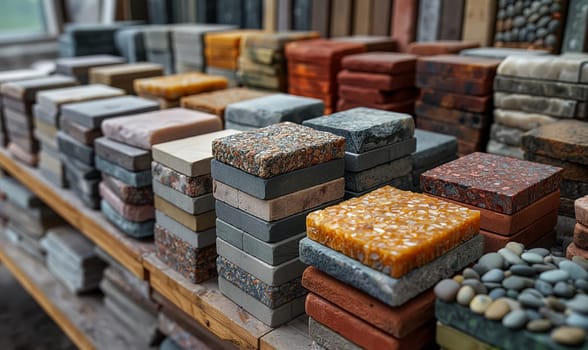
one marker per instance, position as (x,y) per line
(392,291)
(466,103)
(552,106)
(192,205)
(392,63)
(460,67)
(507,135)
(536,87)
(323,338)
(51,100)
(375,80)
(581,210)
(357,162)
(134,213)
(26,90)
(199,222)
(129,194)
(565,140)
(398,322)
(133,229)
(195,239)
(192,186)
(366,129)
(571,171)
(502,184)
(454,85)
(128,157)
(72,148)
(379,175)
(195,264)
(521,120)
(146,129)
(581,236)
(215,102)
(565,68)
(135,179)
(452,116)
(278,149)
(502,149)
(431,147)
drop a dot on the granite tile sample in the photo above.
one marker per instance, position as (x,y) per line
(91,114)
(192,205)
(19,194)
(459,67)
(79,132)
(355,162)
(476,121)
(299,147)
(376,80)
(199,222)
(566,140)
(556,107)
(146,129)
(535,87)
(283,206)
(392,63)
(51,100)
(269,295)
(321,50)
(432,146)
(507,135)
(581,210)
(195,239)
(135,179)
(129,194)
(454,85)
(571,171)
(135,213)
(195,264)
(128,157)
(215,102)
(191,186)
(502,184)
(378,175)
(474,104)
(26,90)
(175,86)
(392,291)
(564,68)
(325,338)
(273,109)
(133,229)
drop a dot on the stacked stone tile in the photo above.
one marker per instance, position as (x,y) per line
(456,98)
(122,76)
(185,221)
(80,127)
(48,111)
(432,150)
(265,182)
(130,43)
(79,67)
(440,47)
(124,158)
(159,47)
(518,200)
(18,100)
(530,91)
(579,245)
(378,147)
(262,61)
(188,45)
(272,109)
(371,272)
(515,298)
(168,90)
(381,80)
(83,39)
(71,258)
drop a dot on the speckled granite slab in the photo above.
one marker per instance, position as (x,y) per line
(26,90)
(135,179)
(271,296)
(565,140)
(273,109)
(128,157)
(537,87)
(431,147)
(75,149)
(192,205)
(549,67)
(378,175)
(556,107)
(507,135)
(196,239)
(356,162)
(502,184)
(91,114)
(278,149)
(129,194)
(366,129)
(392,291)
(191,186)
(51,100)
(271,253)
(521,120)
(133,229)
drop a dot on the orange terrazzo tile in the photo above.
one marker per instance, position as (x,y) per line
(393,231)
(172,87)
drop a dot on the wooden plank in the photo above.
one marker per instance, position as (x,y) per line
(205,303)
(126,250)
(83,318)
(293,335)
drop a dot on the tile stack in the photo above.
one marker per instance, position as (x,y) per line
(159,47)
(432,150)
(130,43)
(79,67)
(381,80)
(371,42)
(266,182)
(515,298)
(579,246)
(271,109)
(563,144)
(28,217)
(168,90)
(122,76)
(441,47)
(80,127)
(185,217)
(313,66)
(71,258)
(262,62)
(530,91)
(222,53)
(82,39)
(188,45)
(456,98)
(124,158)
(378,147)
(371,272)
(18,100)
(518,200)
(47,113)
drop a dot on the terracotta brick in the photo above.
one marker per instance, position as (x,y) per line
(459,67)
(581,236)
(322,50)
(376,81)
(464,148)
(392,63)
(314,85)
(370,95)
(430,48)
(455,85)
(466,103)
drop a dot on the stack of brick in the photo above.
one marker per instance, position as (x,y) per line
(266,182)
(189,47)
(441,47)
(456,98)
(371,272)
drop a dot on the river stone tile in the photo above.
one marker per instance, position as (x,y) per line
(432,146)
(566,140)
(502,184)
(91,114)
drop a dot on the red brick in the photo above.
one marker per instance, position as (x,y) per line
(322,50)
(367,95)
(458,86)
(392,63)
(466,103)
(581,236)
(376,81)
(314,85)
(441,47)
(453,116)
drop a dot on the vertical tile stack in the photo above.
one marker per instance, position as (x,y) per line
(371,272)
(79,67)
(130,43)
(262,61)
(28,217)
(185,218)
(168,90)
(313,66)
(18,100)
(441,47)
(48,112)
(563,144)
(265,183)
(518,200)
(456,98)
(80,127)
(579,246)
(432,150)
(122,76)
(71,258)
(378,147)
(381,80)
(272,109)
(159,47)
(124,158)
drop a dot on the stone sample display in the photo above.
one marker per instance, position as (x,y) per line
(216,102)
(122,76)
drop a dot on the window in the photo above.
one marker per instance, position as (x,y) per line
(27,19)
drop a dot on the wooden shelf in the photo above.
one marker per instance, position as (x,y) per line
(84,319)
(127,251)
